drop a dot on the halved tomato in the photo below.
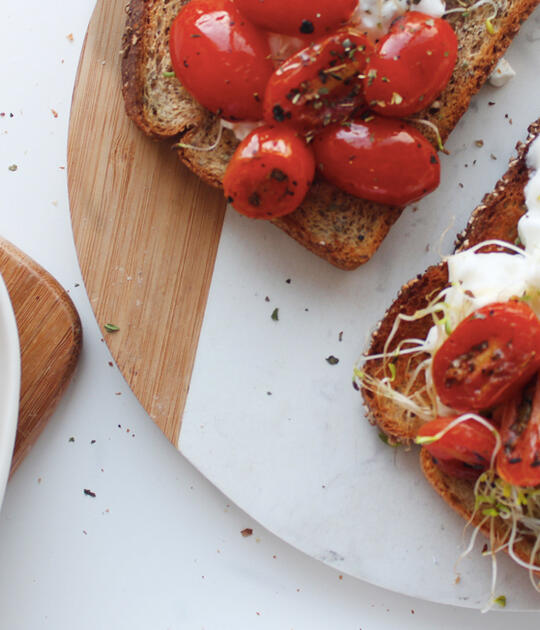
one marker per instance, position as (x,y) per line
(464,451)
(299,18)
(519,460)
(319,84)
(221,58)
(269,173)
(488,357)
(376,158)
(412,65)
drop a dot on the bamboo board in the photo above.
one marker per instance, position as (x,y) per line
(146,231)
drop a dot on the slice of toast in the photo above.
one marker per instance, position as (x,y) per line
(495,218)
(344,230)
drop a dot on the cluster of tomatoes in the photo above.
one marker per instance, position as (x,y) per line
(335,107)
(489,365)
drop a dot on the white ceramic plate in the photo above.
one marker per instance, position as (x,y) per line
(10,383)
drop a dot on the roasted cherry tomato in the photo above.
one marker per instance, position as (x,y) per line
(221,58)
(269,174)
(518,462)
(464,451)
(318,85)
(299,18)
(488,357)
(413,64)
(381,159)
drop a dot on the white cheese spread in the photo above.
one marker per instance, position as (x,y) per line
(502,73)
(480,279)
(374,17)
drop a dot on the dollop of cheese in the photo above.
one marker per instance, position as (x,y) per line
(374,17)
(502,73)
(241,129)
(478,279)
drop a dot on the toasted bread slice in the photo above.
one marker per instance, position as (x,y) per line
(495,218)
(343,229)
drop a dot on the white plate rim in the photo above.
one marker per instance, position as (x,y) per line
(10,388)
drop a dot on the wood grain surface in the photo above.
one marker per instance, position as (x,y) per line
(50,339)
(146,231)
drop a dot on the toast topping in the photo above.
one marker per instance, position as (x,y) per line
(222,56)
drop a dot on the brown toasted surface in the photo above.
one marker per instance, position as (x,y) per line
(459,495)
(341,228)
(495,218)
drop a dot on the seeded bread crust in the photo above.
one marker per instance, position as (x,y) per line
(344,230)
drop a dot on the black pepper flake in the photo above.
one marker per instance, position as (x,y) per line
(89,493)
(307,27)
(433,159)
(278,113)
(255,199)
(278,175)
(71,439)
(332,360)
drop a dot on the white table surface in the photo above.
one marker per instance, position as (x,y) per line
(158,547)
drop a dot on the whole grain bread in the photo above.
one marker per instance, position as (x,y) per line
(344,230)
(495,218)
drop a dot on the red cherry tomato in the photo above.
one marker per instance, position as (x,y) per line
(318,85)
(269,174)
(413,64)
(519,460)
(464,451)
(299,18)
(221,58)
(381,159)
(488,357)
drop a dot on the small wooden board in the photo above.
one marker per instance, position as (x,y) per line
(50,338)
(145,228)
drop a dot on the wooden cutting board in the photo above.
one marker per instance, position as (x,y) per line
(146,231)
(50,337)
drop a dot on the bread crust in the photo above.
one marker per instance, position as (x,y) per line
(344,230)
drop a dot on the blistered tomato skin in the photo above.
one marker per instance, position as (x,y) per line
(488,357)
(269,174)
(380,159)
(412,65)
(319,84)
(463,451)
(299,18)
(221,58)
(518,462)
